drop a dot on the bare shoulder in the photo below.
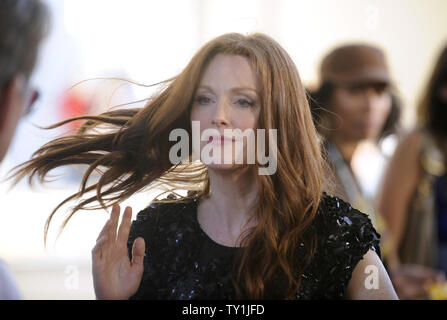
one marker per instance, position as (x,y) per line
(370,280)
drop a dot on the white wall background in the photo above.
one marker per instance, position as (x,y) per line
(149,41)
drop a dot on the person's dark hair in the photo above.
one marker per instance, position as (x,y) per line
(23,25)
(319,101)
(432,112)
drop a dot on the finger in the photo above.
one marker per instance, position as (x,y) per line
(123,232)
(114,218)
(138,248)
(98,249)
(104,229)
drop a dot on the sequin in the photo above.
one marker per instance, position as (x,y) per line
(347,220)
(184,263)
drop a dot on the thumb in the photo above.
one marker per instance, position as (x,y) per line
(138,248)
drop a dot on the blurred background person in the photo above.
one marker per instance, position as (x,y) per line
(355,102)
(23,25)
(413,197)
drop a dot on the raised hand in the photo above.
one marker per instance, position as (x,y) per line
(114,275)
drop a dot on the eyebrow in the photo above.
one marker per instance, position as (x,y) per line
(234,89)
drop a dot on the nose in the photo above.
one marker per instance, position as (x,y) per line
(369,99)
(221,114)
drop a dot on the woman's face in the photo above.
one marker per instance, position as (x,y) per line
(227,98)
(361,111)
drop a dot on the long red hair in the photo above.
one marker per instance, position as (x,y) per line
(133,155)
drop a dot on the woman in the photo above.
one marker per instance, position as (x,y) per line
(354,104)
(238,233)
(413,197)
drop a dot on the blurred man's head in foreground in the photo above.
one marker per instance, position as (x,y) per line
(23,25)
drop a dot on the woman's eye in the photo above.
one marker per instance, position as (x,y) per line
(203,100)
(245,103)
(380,89)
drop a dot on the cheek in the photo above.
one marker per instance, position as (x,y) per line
(341,103)
(245,123)
(344,111)
(248,119)
(199,115)
(383,107)
(344,107)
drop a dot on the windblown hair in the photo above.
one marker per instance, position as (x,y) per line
(133,155)
(432,111)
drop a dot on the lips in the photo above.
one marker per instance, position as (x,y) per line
(220,140)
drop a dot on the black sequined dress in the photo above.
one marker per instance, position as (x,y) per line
(183,262)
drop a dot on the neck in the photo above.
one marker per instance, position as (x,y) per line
(232,199)
(346,147)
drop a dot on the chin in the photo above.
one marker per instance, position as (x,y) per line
(367,134)
(222,167)
(230,168)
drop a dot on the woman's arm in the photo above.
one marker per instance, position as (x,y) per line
(370,281)
(399,184)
